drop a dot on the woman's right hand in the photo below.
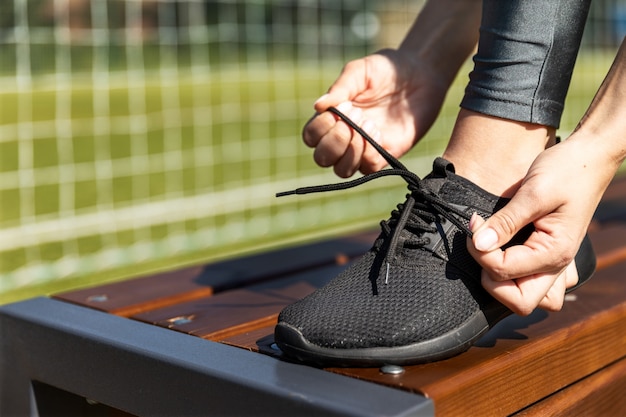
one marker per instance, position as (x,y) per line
(393,98)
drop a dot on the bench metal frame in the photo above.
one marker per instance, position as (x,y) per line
(151,371)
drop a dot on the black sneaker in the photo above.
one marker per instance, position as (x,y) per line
(416,295)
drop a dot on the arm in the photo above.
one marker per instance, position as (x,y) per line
(443,35)
(604,123)
(395,94)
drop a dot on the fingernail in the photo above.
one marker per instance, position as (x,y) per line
(356,114)
(475,221)
(344,107)
(472,222)
(485,240)
(370,128)
(322,98)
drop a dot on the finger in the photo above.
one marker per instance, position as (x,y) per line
(350,83)
(317,127)
(523,209)
(350,161)
(372,160)
(321,124)
(332,145)
(539,254)
(336,142)
(571,275)
(543,252)
(522,295)
(553,300)
(502,265)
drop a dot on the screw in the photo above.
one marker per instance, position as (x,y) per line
(392,370)
(100,298)
(177,321)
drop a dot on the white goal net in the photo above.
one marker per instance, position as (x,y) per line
(138,135)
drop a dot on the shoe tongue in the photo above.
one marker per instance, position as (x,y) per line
(442,169)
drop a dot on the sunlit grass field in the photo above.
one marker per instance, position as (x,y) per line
(187,140)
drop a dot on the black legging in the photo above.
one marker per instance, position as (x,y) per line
(526,54)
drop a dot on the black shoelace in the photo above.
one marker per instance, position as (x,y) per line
(423,203)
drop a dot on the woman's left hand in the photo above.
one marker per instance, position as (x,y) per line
(559,196)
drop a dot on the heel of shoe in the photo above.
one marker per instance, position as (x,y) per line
(585,263)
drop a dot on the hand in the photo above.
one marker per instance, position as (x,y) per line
(559,196)
(522,295)
(393,98)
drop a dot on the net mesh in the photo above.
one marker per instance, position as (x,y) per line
(145,134)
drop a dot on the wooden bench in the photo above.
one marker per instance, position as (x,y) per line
(198,341)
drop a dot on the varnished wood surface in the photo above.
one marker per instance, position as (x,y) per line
(525,363)
(600,394)
(172,288)
(141,294)
(226,311)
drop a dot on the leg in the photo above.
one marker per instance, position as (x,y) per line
(515,96)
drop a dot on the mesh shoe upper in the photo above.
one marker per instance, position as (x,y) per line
(425,286)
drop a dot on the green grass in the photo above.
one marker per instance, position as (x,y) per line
(237,164)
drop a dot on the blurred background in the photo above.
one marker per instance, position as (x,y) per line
(143,135)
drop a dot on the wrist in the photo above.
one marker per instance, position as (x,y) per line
(603,154)
(409,64)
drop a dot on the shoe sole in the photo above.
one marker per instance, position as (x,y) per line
(291,341)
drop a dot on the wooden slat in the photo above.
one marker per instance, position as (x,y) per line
(240,310)
(600,394)
(141,294)
(260,339)
(609,244)
(171,288)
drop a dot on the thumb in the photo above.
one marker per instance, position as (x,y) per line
(330,99)
(350,83)
(500,228)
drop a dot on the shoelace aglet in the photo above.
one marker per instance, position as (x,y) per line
(284,193)
(387,274)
